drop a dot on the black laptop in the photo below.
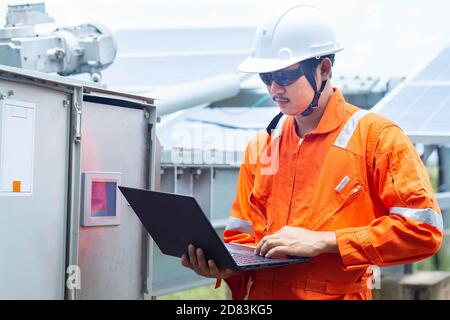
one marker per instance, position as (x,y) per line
(175,221)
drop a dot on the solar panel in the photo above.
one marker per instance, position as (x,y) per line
(421,106)
(438,69)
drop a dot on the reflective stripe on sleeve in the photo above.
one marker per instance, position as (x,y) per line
(428,216)
(240,225)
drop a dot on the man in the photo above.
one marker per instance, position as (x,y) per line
(325,180)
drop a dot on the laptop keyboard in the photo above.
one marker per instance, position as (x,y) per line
(248,258)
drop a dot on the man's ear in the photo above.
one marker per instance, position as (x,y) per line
(325,68)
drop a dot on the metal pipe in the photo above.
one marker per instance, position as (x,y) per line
(179,97)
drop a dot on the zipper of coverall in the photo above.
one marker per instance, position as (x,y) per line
(266,226)
(258,211)
(297,152)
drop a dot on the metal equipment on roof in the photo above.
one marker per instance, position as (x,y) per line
(88,48)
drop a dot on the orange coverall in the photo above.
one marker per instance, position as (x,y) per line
(356,174)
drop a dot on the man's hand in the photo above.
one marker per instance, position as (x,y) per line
(295,241)
(196,261)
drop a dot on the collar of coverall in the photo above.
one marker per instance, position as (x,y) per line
(333,115)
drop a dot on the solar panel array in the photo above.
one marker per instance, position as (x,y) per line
(422,104)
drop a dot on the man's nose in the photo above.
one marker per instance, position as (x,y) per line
(276,89)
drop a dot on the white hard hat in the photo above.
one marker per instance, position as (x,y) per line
(298,33)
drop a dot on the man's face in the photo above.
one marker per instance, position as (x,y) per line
(292,99)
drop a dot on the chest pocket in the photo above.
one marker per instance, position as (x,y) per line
(350,187)
(343,196)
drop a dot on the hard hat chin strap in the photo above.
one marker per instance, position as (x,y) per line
(315,101)
(309,67)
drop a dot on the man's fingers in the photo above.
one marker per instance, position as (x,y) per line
(213,269)
(264,241)
(228,272)
(268,245)
(258,247)
(201,261)
(201,266)
(217,273)
(277,252)
(260,244)
(185,261)
(192,255)
(272,252)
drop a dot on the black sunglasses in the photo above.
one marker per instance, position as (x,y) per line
(284,77)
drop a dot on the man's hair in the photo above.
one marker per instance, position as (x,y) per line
(329,56)
(311,64)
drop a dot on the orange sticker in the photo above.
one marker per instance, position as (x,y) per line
(16,186)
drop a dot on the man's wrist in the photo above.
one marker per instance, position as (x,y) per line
(330,242)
